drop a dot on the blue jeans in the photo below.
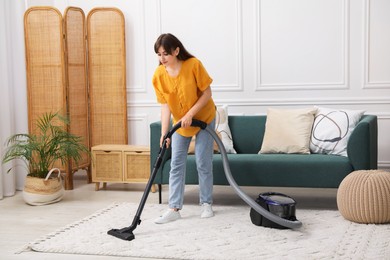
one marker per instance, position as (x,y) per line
(204,164)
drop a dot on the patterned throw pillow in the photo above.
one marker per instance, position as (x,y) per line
(332,129)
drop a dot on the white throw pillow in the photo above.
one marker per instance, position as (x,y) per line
(223,130)
(332,129)
(288,130)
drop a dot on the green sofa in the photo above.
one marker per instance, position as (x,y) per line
(277,170)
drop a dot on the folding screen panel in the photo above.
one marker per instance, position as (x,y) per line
(76,79)
(107,76)
(46,87)
(45,65)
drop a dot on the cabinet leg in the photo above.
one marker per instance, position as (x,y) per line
(104,185)
(97,185)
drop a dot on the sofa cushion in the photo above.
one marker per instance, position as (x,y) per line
(332,129)
(288,130)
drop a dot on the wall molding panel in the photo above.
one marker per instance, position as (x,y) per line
(138,129)
(223,69)
(138,66)
(376,47)
(239,85)
(339,82)
(136,89)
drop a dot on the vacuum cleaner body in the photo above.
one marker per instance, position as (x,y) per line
(278,204)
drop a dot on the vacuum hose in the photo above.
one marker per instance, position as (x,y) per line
(225,161)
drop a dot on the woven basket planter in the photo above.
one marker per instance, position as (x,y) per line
(38,191)
(364,197)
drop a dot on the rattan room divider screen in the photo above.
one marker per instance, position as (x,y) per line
(87,84)
(107,76)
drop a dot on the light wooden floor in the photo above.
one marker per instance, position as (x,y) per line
(21,223)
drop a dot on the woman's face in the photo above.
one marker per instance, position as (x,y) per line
(165,58)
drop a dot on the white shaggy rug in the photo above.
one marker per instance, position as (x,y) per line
(229,235)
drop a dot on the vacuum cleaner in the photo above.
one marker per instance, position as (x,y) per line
(269,210)
(277,203)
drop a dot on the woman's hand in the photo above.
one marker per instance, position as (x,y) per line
(162,141)
(205,96)
(165,121)
(186,121)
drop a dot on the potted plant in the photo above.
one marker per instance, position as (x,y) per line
(49,145)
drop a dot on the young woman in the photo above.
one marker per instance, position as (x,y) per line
(182,87)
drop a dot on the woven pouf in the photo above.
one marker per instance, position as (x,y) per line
(364,197)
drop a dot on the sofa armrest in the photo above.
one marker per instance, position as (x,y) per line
(155,135)
(362,146)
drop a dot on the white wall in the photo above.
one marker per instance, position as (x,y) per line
(262,53)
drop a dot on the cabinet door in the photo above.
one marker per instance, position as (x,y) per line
(137,166)
(107,166)
(107,76)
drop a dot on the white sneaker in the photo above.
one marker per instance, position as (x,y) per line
(206,211)
(169,216)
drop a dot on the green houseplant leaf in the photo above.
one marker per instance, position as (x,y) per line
(51,143)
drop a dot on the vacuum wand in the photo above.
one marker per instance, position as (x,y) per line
(127,232)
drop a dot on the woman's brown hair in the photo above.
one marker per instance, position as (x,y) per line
(169,42)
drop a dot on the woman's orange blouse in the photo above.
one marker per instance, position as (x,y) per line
(183,91)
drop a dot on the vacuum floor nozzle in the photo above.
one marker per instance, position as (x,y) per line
(124,234)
